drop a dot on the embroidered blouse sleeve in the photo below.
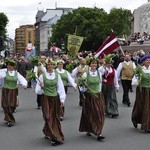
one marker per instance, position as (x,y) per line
(74,73)
(38,89)
(71,81)
(21,79)
(60,89)
(3,73)
(119,70)
(116,81)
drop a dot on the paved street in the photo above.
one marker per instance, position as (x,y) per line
(27,132)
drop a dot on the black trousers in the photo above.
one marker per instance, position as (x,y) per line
(81,98)
(29,84)
(126,85)
(66,89)
(39,98)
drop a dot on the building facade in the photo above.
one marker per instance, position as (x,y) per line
(23,35)
(46,33)
(141,19)
(43,30)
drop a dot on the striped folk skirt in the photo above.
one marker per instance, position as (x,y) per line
(93,114)
(51,113)
(9,102)
(141,109)
(109,92)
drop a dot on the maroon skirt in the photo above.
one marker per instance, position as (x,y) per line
(93,114)
(141,109)
(51,113)
(9,102)
(9,97)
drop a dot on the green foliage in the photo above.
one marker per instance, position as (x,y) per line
(89,23)
(83,83)
(108,58)
(34,60)
(92,23)
(3,24)
(69,67)
(120,21)
(138,72)
(31,75)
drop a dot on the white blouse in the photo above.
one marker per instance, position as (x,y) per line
(146,70)
(20,78)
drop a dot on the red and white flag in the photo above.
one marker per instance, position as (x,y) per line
(109,45)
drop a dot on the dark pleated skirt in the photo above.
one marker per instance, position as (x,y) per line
(141,109)
(51,113)
(9,102)
(110,97)
(92,117)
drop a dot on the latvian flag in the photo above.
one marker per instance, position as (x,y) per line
(109,45)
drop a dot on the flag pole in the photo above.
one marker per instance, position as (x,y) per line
(122,50)
(120,45)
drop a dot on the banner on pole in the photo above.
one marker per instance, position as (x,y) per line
(74,43)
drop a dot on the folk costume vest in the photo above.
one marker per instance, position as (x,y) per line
(108,78)
(145,80)
(64,77)
(93,82)
(50,85)
(127,71)
(10,82)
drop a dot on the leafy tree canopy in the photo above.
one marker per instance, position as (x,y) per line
(3,24)
(92,23)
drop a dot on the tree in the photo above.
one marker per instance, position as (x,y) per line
(120,21)
(3,31)
(92,23)
(89,22)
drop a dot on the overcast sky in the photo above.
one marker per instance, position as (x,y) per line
(21,12)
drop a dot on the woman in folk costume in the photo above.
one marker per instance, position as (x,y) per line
(109,87)
(93,109)
(52,88)
(141,109)
(66,77)
(10,90)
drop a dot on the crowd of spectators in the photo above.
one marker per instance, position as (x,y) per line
(140,38)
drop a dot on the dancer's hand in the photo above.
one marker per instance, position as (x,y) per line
(62,104)
(25,87)
(42,85)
